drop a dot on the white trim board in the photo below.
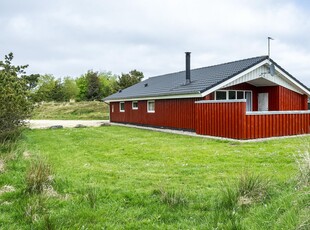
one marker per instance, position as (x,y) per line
(198,95)
(219,101)
(278,112)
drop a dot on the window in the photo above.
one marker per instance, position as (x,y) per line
(235,95)
(220,95)
(112,108)
(231,95)
(135,105)
(151,106)
(122,106)
(240,94)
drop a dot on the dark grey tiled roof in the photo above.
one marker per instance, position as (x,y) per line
(202,79)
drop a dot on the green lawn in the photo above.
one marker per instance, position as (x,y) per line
(86,110)
(125,178)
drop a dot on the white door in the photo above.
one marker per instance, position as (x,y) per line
(263,102)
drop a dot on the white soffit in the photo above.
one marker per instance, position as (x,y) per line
(260,77)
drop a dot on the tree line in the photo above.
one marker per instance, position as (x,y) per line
(19,92)
(87,87)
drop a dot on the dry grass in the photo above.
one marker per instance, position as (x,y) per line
(6,188)
(2,166)
(303,162)
(90,110)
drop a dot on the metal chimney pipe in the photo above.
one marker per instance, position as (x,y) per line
(188,67)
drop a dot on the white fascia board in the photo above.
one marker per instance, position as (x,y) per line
(234,78)
(156,98)
(306,91)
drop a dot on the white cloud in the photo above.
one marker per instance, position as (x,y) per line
(69,37)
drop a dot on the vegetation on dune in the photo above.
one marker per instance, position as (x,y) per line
(91,110)
(87,87)
(116,178)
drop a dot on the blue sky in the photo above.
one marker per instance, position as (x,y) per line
(67,38)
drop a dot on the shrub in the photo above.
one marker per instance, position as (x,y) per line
(15,105)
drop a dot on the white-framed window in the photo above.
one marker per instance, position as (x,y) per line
(221,95)
(112,108)
(151,106)
(122,106)
(235,95)
(134,105)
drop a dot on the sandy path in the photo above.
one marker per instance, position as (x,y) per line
(42,124)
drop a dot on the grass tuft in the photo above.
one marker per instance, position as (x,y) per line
(171,198)
(34,209)
(303,163)
(38,176)
(91,197)
(251,188)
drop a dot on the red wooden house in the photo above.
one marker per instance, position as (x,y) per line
(246,99)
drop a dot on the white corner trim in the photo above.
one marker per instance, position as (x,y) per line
(234,78)
(219,101)
(278,112)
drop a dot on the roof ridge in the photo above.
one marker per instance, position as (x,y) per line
(225,63)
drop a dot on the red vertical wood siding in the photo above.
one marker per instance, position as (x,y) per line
(290,100)
(174,113)
(221,119)
(275,125)
(231,121)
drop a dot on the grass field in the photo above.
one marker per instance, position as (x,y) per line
(88,110)
(124,178)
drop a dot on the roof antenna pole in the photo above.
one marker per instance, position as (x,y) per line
(269,38)
(272,70)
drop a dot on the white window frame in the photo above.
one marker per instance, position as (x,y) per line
(148,106)
(120,106)
(134,108)
(227,95)
(220,91)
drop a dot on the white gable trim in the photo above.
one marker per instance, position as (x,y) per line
(305,90)
(263,72)
(299,88)
(234,78)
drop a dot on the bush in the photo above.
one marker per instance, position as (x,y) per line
(15,105)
